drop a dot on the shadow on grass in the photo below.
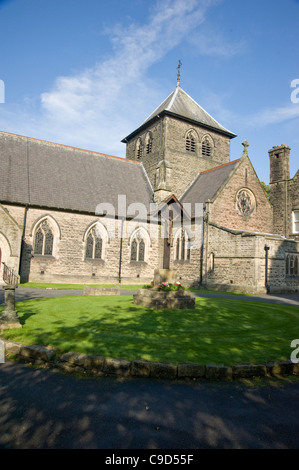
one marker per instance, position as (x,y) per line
(216,331)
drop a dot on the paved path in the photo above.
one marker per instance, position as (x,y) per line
(43,409)
(25,293)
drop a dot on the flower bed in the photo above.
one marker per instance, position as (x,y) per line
(164,286)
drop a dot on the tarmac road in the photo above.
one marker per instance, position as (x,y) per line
(44,409)
(25,293)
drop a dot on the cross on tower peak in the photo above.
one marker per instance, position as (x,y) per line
(179,73)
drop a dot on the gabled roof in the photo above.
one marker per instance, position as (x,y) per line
(207,184)
(49,175)
(180,104)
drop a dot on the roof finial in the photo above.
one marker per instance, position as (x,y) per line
(179,72)
(245,145)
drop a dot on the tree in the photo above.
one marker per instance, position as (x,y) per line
(266,188)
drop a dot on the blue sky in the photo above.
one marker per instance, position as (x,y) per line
(87,73)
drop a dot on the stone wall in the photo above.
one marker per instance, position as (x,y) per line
(169,142)
(224,210)
(95,366)
(186,165)
(284,191)
(149,160)
(68,263)
(10,238)
(293,192)
(236,261)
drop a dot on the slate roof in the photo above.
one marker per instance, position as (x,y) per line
(180,104)
(49,175)
(207,184)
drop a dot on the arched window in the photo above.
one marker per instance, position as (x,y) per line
(134,250)
(141,250)
(292,265)
(140,243)
(206,149)
(139,149)
(44,239)
(94,244)
(181,246)
(190,142)
(137,250)
(296,268)
(295,221)
(148,143)
(287,265)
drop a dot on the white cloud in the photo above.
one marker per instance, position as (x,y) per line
(93,109)
(270,116)
(98,102)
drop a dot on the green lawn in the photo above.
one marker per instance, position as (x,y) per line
(217,331)
(44,285)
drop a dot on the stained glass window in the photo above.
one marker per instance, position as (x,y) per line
(141,250)
(89,246)
(94,245)
(182,249)
(44,240)
(49,243)
(39,241)
(134,251)
(98,247)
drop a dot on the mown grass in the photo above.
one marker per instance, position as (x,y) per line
(48,285)
(44,285)
(217,331)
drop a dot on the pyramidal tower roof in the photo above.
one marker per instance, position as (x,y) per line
(180,104)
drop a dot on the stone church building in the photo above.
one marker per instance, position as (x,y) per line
(176,201)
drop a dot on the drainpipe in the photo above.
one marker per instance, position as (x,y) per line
(120,250)
(267,248)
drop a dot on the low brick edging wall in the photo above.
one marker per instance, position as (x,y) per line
(95,366)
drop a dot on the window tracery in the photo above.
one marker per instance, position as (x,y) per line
(44,239)
(94,244)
